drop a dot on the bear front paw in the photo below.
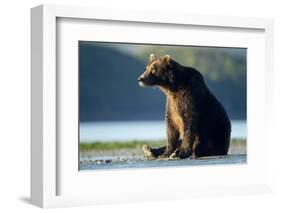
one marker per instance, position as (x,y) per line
(175,155)
(165,156)
(183,154)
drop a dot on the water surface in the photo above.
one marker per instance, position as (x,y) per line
(139,130)
(213,160)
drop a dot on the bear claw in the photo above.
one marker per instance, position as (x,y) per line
(174,156)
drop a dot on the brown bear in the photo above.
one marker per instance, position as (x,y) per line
(197,123)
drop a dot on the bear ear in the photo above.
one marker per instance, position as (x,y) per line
(167,59)
(152,57)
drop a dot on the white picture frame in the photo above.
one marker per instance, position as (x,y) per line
(48,167)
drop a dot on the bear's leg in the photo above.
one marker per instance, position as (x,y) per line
(186,148)
(178,154)
(173,141)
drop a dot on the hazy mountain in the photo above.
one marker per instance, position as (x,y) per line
(109,89)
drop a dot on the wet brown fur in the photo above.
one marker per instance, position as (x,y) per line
(196,122)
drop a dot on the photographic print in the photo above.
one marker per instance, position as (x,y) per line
(154,105)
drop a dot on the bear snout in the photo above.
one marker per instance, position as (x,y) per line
(147,79)
(140,78)
(141,81)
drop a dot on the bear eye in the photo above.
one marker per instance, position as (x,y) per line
(153,71)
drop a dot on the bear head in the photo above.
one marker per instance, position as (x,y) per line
(158,72)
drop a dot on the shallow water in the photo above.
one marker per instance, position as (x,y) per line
(139,163)
(139,130)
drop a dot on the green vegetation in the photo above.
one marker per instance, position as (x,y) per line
(111,145)
(238,141)
(135,144)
